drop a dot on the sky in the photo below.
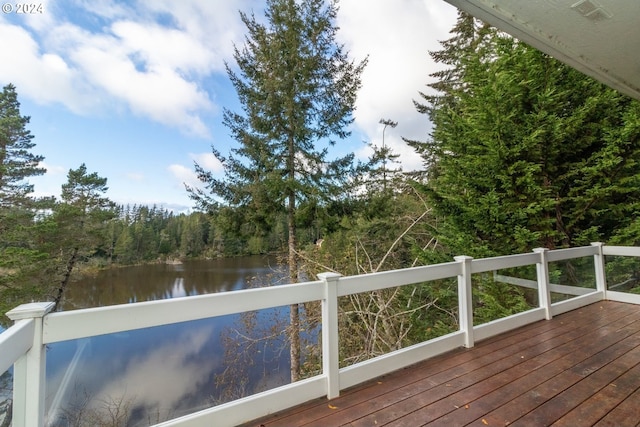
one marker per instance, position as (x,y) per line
(135,89)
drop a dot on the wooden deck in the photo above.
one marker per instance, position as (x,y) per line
(581,368)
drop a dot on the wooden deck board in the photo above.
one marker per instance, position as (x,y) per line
(600,403)
(580,368)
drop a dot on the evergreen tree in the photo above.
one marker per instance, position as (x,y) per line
(17,162)
(378,174)
(123,247)
(297,88)
(525,151)
(21,254)
(80,219)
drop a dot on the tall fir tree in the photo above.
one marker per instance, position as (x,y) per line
(297,88)
(525,150)
(20,252)
(17,162)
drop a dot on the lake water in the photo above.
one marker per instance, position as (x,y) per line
(147,376)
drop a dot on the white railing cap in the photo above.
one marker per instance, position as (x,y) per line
(30,310)
(329,276)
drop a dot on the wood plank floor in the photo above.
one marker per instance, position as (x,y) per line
(581,368)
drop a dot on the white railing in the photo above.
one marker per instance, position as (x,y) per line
(23,344)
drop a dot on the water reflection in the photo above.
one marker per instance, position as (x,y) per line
(152,371)
(178,289)
(157,281)
(156,374)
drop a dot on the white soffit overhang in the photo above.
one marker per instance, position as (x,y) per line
(600,38)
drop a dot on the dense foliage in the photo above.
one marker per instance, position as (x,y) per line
(525,150)
(21,252)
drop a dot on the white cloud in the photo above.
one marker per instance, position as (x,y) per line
(159,93)
(187,175)
(161,47)
(46,78)
(38,20)
(184,175)
(216,23)
(151,60)
(397,36)
(208,161)
(53,169)
(105,8)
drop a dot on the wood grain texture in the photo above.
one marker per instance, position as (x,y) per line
(581,368)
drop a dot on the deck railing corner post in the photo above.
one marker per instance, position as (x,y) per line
(29,371)
(330,343)
(465,299)
(542,273)
(599,266)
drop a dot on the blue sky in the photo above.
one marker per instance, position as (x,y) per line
(135,89)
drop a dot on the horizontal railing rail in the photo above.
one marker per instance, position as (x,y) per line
(15,342)
(503,262)
(24,342)
(390,279)
(89,322)
(572,253)
(533,284)
(622,251)
(631,251)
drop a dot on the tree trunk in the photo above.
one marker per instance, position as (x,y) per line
(67,275)
(294,309)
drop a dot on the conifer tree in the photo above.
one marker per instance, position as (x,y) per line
(382,167)
(17,162)
(20,253)
(525,150)
(297,88)
(80,220)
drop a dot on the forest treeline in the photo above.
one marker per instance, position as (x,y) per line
(524,152)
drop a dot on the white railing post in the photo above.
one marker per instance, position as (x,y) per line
(598,262)
(542,271)
(330,344)
(29,370)
(465,300)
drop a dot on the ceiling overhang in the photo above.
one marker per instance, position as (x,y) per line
(597,37)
